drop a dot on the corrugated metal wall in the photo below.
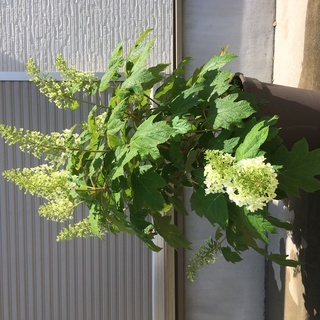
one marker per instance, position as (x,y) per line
(45,280)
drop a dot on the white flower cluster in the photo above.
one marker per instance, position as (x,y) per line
(84,80)
(249,182)
(59,209)
(79,229)
(100,122)
(55,186)
(54,145)
(217,170)
(61,93)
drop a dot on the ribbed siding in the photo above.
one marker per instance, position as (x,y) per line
(84,31)
(45,280)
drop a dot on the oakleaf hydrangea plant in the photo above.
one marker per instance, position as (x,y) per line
(130,161)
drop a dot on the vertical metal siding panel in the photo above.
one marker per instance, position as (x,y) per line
(42,279)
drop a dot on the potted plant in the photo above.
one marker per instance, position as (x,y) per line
(130,161)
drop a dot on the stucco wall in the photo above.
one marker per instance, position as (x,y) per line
(85,32)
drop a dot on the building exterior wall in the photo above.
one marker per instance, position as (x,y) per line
(293,293)
(85,32)
(76,279)
(81,279)
(223,290)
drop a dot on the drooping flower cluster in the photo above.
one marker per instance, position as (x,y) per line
(61,93)
(54,186)
(77,230)
(249,182)
(54,145)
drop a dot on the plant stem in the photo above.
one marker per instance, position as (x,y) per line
(154,101)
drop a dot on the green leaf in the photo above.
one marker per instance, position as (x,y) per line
(299,168)
(231,112)
(136,81)
(223,142)
(157,76)
(93,132)
(185,100)
(116,121)
(174,155)
(96,163)
(278,223)
(172,84)
(212,206)
(113,141)
(250,225)
(178,205)
(250,147)
(138,217)
(94,220)
(145,185)
(142,227)
(278,258)
(149,135)
(217,62)
(123,156)
(115,63)
(181,126)
(260,226)
(139,53)
(170,232)
(230,256)
(142,36)
(220,84)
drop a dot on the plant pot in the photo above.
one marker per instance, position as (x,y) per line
(298,109)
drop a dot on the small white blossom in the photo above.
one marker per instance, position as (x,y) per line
(59,209)
(54,145)
(79,229)
(217,170)
(249,182)
(253,184)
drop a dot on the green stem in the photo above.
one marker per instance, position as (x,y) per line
(91,189)
(152,100)
(90,103)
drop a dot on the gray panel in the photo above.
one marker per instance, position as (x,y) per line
(43,279)
(245,25)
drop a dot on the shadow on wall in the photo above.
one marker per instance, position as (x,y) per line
(307,228)
(307,208)
(310,75)
(275,299)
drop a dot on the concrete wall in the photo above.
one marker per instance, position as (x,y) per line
(225,291)
(294,293)
(245,25)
